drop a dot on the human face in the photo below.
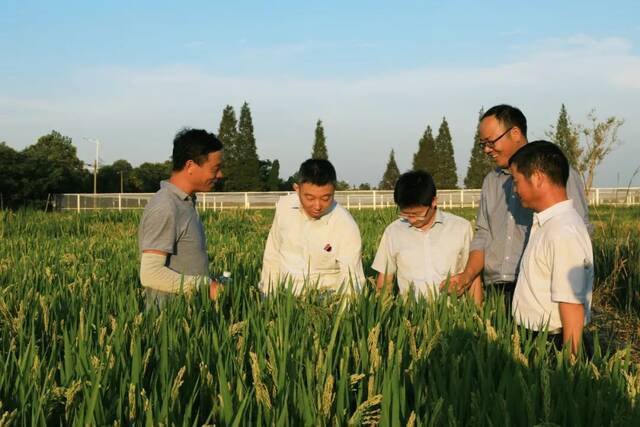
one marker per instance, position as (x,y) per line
(202,177)
(419,216)
(499,143)
(315,199)
(524,187)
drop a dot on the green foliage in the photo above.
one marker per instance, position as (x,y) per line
(116,177)
(479,164)
(426,158)
(11,176)
(51,165)
(319,144)
(270,175)
(228,135)
(444,174)
(242,167)
(78,348)
(391,174)
(567,136)
(146,177)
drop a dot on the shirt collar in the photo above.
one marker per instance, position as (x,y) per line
(559,208)
(165,184)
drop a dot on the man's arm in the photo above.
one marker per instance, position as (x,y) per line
(575,192)
(384,282)
(154,274)
(271,258)
(461,281)
(480,241)
(572,318)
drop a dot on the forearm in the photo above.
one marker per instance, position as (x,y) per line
(572,318)
(155,275)
(474,266)
(384,281)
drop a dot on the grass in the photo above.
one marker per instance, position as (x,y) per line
(76,346)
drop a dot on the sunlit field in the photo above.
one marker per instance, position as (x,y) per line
(76,345)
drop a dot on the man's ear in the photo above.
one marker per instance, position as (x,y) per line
(434,202)
(296,187)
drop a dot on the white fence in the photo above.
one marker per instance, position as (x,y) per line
(374,199)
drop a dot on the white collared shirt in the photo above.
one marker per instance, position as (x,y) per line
(556,266)
(325,251)
(424,258)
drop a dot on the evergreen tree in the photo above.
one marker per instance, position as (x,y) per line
(228,135)
(11,176)
(479,164)
(444,173)
(425,158)
(391,174)
(51,165)
(566,136)
(319,144)
(270,175)
(243,165)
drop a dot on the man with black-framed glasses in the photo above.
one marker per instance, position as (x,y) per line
(425,245)
(502,223)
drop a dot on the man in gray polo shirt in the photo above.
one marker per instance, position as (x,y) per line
(502,224)
(171,235)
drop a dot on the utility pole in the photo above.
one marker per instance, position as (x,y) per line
(121,181)
(95,164)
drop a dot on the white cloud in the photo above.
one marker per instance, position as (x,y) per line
(136,111)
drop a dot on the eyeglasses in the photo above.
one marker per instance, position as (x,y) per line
(414,216)
(492,143)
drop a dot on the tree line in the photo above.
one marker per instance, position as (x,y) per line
(51,165)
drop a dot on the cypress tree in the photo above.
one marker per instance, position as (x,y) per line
(444,174)
(479,164)
(244,167)
(565,135)
(319,145)
(425,158)
(228,135)
(391,174)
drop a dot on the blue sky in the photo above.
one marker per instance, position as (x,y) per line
(376,73)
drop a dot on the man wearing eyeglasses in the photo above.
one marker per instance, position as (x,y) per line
(425,245)
(502,223)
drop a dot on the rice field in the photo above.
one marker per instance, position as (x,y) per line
(77,347)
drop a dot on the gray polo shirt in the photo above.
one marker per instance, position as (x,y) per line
(503,225)
(170,223)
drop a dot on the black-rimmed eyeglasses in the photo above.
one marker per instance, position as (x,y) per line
(492,143)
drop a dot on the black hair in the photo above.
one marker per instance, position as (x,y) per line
(415,188)
(317,172)
(544,157)
(195,145)
(509,117)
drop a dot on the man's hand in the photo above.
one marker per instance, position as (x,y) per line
(457,283)
(215,289)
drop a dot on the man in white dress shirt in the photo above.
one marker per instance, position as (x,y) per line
(425,245)
(313,241)
(555,283)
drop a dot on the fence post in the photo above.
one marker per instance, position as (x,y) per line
(462,198)
(214,203)
(450,200)
(119,202)
(78,200)
(246,200)
(374,199)
(348,201)
(204,202)
(597,196)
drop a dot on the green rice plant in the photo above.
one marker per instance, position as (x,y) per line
(77,347)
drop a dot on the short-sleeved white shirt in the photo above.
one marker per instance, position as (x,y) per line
(556,266)
(325,251)
(424,258)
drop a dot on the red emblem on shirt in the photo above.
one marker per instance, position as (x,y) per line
(327,247)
